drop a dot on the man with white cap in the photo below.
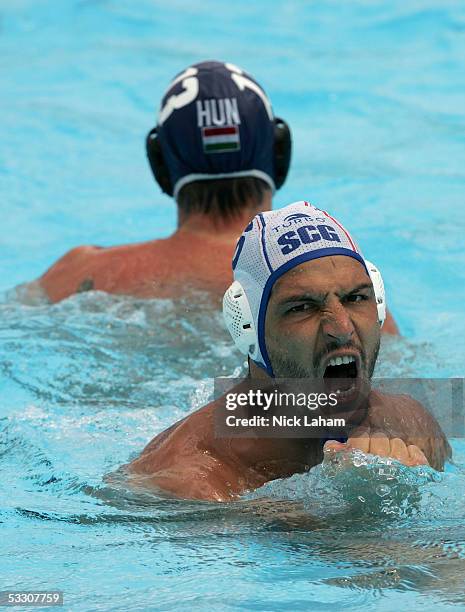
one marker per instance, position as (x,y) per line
(304,303)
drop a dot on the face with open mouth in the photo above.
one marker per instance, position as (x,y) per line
(322,323)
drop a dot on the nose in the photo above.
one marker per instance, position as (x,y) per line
(336,324)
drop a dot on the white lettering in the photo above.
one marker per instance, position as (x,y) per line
(232,111)
(217,112)
(268,397)
(332,399)
(214,112)
(230,401)
(189,72)
(217,118)
(255,421)
(176,101)
(233,68)
(203,113)
(242,82)
(284,421)
(323,422)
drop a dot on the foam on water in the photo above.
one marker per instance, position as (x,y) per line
(374,93)
(104,379)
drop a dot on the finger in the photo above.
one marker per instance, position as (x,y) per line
(360,439)
(334,446)
(379,445)
(399,451)
(417,457)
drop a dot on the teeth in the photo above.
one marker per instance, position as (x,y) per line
(337,361)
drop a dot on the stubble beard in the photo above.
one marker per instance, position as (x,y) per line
(284,367)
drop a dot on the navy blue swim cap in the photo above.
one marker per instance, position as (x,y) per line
(215,121)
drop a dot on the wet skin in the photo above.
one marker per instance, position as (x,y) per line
(310,319)
(166,268)
(321,309)
(196,257)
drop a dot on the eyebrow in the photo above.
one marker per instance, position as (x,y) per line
(319,297)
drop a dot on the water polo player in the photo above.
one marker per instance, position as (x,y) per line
(219,151)
(304,303)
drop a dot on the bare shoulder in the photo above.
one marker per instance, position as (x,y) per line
(127,269)
(180,443)
(400,415)
(186,483)
(199,476)
(398,408)
(73,258)
(75,255)
(181,461)
(67,274)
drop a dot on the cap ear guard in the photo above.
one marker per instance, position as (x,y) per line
(157,162)
(239,321)
(378,288)
(282,151)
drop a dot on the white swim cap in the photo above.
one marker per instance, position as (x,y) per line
(273,243)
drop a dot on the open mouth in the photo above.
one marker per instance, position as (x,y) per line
(340,375)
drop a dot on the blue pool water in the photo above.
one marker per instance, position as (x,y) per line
(375,94)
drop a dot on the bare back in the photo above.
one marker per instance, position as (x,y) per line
(159,268)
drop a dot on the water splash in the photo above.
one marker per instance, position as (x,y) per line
(354,484)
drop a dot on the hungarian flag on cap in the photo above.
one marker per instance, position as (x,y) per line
(221,139)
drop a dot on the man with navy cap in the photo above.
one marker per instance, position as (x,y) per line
(305,304)
(220,152)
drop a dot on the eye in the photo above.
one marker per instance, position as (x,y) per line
(305,307)
(357,297)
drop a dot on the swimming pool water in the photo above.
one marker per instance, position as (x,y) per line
(375,95)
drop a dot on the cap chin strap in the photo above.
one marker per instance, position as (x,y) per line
(239,320)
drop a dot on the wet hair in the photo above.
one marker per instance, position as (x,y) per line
(222,198)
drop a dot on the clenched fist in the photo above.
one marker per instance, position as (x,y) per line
(378,443)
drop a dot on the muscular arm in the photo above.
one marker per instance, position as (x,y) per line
(196,476)
(202,480)
(180,461)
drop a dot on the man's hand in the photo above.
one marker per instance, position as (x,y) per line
(401,416)
(378,443)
